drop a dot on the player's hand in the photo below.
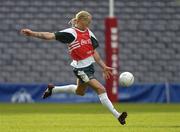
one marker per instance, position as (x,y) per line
(107,72)
(27,32)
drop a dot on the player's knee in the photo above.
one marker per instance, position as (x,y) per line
(80,93)
(101,90)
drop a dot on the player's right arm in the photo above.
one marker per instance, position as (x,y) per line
(40,35)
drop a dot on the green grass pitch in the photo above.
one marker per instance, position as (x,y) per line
(88,118)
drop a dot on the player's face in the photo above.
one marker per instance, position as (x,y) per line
(85,22)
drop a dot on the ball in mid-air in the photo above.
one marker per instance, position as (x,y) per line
(126,79)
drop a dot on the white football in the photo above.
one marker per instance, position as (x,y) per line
(126,79)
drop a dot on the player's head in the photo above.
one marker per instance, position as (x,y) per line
(82,18)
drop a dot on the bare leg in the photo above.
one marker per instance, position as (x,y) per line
(97,86)
(81,88)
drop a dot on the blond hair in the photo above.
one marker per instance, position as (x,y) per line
(82,15)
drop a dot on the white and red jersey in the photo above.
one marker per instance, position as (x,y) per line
(81,49)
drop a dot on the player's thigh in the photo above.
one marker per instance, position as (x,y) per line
(81,87)
(97,86)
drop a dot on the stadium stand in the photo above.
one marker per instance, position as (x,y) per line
(148,38)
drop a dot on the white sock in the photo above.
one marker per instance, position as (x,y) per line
(107,103)
(64,89)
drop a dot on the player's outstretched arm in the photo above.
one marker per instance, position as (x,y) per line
(107,71)
(40,35)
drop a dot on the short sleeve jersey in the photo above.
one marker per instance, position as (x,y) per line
(80,44)
(69,35)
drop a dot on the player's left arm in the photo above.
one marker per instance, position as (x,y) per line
(107,71)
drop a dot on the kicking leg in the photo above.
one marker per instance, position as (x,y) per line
(51,89)
(100,90)
(81,88)
(78,89)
